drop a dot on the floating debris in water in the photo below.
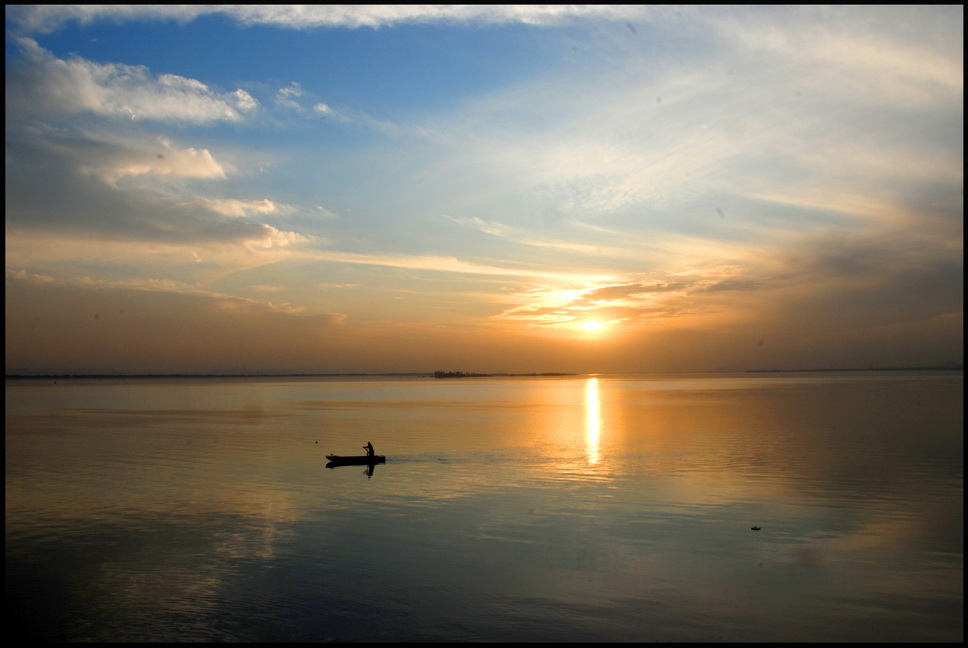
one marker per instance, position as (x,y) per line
(755,528)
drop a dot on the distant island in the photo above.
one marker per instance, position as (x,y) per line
(467,374)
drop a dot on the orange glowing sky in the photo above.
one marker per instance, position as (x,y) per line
(506,189)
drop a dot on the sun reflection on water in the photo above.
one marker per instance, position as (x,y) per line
(593,421)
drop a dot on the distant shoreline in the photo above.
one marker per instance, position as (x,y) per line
(931,368)
(414,374)
(248,375)
(446,374)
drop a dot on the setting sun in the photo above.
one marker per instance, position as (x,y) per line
(592,326)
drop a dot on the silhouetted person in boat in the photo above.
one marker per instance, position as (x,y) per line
(369,449)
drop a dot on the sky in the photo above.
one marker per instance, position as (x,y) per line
(379,189)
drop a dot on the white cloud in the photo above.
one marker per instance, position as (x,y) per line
(244,101)
(45,84)
(117,160)
(303,16)
(45,18)
(125,188)
(274,238)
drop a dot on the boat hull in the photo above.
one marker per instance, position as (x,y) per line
(362,460)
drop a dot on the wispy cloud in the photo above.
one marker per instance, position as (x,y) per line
(523,237)
(758,103)
(447,264)
(630,301)
(225,302)
(235,207)
(325,111)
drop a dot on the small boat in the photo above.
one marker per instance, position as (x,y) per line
(360,460)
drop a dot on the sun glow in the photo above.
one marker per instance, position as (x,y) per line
(592,326)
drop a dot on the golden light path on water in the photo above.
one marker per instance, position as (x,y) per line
(593,421)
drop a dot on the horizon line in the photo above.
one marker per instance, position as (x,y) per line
(949,366)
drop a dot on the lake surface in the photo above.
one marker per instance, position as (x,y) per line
(607,508)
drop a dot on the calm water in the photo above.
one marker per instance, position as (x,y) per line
(616,508)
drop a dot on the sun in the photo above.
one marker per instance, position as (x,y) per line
(592,326)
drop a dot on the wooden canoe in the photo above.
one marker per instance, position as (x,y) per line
(360,460)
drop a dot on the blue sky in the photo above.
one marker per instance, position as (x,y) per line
(496,188)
